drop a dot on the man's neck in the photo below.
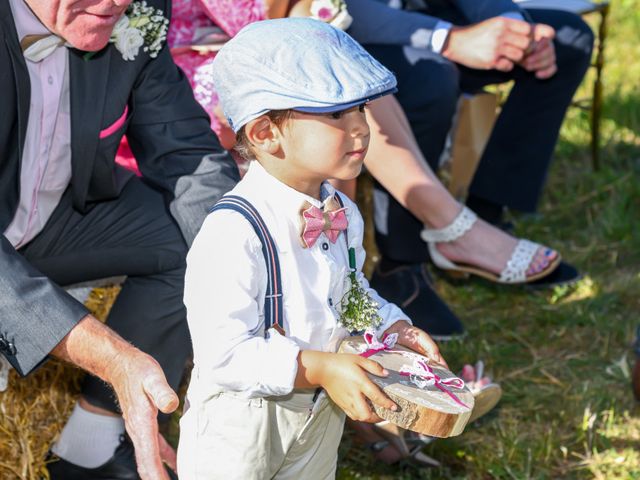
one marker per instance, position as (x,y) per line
(26,21)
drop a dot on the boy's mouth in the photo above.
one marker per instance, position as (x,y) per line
(360,151)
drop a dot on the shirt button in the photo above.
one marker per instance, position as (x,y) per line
(325,246)
(50,80)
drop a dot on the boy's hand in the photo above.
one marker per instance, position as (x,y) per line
(345,380)
(417,340)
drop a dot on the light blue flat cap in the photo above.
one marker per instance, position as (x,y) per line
(295,63)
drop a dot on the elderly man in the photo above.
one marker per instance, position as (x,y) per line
(441,48)
(76,77)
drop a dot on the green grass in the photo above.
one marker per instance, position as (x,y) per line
(563,357)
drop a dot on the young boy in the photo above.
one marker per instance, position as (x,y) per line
(294,91)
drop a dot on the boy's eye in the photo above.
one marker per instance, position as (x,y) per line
(338,115)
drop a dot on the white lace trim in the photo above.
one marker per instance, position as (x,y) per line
(518,264)
(460,225)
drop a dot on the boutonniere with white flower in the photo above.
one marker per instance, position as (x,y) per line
(358,311)
(141,26)
(333,12)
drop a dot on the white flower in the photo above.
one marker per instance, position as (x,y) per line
(343,20)
(333,12)
(324,10)
(121,26)
(128,43)
(140,26)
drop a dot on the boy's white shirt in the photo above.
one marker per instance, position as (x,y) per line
(225,286)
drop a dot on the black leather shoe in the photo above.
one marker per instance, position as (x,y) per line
(410,287)
(122,466)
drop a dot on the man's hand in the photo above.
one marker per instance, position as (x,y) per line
(417,340)
(497,43)
(344,377)
(138,382)
(142,390)
(541,57)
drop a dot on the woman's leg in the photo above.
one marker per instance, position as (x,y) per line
(396,162)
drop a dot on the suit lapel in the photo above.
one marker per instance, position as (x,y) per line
(88,83)
(20,72)
(12,153)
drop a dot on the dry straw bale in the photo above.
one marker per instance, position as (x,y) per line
(34,409)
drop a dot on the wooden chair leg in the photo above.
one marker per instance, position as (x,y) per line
(596,110)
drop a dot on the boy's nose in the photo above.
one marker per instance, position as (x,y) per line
(360,127)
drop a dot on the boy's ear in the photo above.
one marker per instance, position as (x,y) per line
(263,134)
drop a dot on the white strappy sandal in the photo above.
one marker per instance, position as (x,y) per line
(485,395)
(517,266)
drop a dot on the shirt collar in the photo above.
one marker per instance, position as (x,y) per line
(281,196)
(25,20)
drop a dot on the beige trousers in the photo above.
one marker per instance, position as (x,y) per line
(229,437)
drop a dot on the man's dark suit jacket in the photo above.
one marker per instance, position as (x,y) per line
(169,134)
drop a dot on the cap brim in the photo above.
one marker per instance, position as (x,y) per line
(343,106)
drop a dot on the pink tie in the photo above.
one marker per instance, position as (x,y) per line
(331,221)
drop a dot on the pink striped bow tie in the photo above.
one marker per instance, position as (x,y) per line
(332,220)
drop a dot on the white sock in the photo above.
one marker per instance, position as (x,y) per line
(88,439)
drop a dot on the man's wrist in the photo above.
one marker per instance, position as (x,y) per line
(94,347)
(447,46)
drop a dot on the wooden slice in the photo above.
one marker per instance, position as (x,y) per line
(436,408)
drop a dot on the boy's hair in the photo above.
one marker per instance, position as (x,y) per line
(243,145)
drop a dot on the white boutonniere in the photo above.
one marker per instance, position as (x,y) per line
(358,311)
(141,26)
(333,12)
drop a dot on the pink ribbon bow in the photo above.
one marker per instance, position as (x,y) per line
(374,345)
(422,375)
(316,221)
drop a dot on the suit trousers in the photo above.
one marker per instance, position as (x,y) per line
(133,235)
(513,168)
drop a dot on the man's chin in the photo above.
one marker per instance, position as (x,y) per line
(87,43)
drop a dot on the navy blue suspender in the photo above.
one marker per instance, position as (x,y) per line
(273,308)
(273,303)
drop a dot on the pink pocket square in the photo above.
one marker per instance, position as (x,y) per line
(116,125)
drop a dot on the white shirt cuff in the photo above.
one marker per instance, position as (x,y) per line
(513,15)
(439,36)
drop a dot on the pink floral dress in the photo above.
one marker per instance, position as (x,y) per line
(188,16)
(188,19)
